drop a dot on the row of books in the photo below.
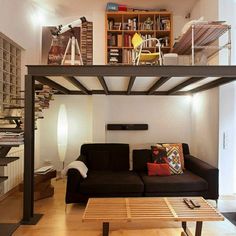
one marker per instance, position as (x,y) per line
(128,56)
(125,56)
(162,23)
(112,25)
(114,40)
(87,43)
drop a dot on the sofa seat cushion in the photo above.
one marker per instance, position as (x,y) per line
(186,182)
(111,182)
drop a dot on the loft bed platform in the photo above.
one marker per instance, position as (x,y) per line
(54,76)
(201,36)
(191,79)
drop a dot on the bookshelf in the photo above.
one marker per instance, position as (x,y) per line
(10,72)
(121,26)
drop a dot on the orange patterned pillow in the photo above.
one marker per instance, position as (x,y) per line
(179,147)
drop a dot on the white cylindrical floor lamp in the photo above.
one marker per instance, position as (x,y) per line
(62,133)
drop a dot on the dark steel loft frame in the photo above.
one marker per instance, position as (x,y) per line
(224,74)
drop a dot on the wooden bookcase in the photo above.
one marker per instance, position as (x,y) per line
(121,26)
(10,72)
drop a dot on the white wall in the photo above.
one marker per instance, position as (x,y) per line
(168,118)
(99,111)
(227,139)
(206,8)
(205,126)
(227,13)
(79,115)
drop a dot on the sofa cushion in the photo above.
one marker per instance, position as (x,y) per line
(111,182)
(141,158)
(162,169)
(106,156)
(98,160)
(187,182)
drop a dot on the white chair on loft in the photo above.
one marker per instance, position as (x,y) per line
(143,56)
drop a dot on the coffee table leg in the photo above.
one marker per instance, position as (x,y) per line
(186,230)
(198,231)
(105,229)
(184,226)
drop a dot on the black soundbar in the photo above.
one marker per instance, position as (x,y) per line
(127,126)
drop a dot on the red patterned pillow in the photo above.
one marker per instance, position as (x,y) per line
(158,169)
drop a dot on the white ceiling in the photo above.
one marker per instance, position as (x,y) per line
(66,8)
(200,83)
(121,83)
(143,83)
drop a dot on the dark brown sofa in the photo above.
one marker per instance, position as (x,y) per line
(109,175)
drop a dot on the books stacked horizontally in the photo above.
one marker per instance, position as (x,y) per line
(44,170)
(114,56)
(10,138)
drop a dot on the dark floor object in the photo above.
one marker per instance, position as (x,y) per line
(8,229)
(231,216)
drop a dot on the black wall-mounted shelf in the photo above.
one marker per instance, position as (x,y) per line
(127,126)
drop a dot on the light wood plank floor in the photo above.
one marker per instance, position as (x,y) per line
(58,222)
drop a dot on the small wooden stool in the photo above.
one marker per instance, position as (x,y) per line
(42,185)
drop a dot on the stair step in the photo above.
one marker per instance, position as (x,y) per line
(14,107)
(10,118)
(4,161)
(14,130)
(3,178)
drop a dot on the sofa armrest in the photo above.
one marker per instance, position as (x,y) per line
(207,172)
(74,179)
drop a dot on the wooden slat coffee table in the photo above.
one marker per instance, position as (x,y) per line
(108,210)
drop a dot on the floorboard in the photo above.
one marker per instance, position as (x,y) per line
(68,222)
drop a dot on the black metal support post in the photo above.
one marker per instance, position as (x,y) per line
(28,199)
(105,229)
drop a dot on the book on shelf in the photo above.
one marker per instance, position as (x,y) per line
(117,26)
(163,23)
(111,40)
(128,40)
(110,23)
(149,43)
(119,40)
(128,56)
(114,56)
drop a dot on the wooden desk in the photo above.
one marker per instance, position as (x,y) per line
(108,210)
